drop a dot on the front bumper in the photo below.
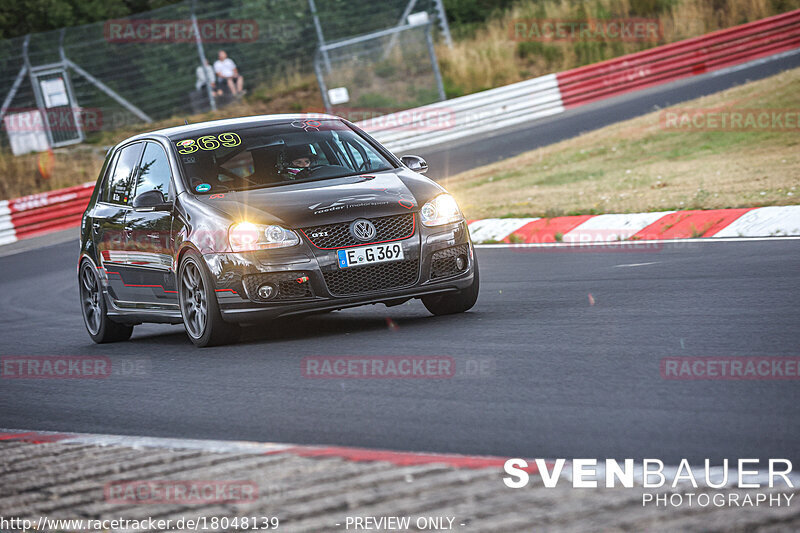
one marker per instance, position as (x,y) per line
(327,284)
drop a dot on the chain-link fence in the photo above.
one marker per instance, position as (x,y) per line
(380,72)
(147,67)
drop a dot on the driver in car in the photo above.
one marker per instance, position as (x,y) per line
(297,162)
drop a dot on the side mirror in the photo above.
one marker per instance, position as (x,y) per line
(415,163)
(151,201)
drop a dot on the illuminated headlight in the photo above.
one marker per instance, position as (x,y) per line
(441,210)
(245,236)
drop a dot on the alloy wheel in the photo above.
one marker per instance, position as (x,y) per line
(90,299)
(194,303)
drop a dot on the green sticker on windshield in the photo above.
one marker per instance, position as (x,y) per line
(203,187)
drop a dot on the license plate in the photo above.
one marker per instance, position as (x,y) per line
(368,255)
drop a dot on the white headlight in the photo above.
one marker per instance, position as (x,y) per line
(245,236)
(441,210)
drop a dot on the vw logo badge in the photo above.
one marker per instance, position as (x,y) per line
(363,230)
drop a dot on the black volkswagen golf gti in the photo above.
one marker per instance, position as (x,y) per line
(241,221)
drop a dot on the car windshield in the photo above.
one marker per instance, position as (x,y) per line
(232,159)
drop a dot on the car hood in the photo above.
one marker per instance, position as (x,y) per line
(327,201)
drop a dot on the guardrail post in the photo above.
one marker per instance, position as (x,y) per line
(202,53)
(323,88)
(435,63)
(443,25)
(320,37)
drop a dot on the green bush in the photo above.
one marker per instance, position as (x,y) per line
(451,89)
(650,8)
(465,16)
(385,69)
(533,49)
(375,100)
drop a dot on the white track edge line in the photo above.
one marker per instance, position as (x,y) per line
(625,244)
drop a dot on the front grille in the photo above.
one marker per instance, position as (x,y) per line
(355,280)
(391,228)
(443,262)
(286,282)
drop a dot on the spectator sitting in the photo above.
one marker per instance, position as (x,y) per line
(206,77)
(228,73)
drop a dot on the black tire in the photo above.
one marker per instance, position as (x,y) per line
(454,302)
(199,307)
(95,313)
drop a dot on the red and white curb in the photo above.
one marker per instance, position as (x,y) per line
(47,212)
(42,213)
(352,454)
(777,221)
(7,232)
(263,448)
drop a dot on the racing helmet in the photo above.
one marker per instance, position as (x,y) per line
(292,153)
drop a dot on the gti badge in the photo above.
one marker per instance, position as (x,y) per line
(363,230)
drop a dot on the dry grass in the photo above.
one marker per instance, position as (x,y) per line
(33,173)
(491,58)
(637,165)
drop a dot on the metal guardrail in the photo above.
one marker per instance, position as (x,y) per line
(467,115)
(690,57)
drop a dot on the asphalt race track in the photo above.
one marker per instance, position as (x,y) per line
(541,371)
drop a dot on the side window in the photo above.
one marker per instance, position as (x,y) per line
(373,159)
(118,187)
(339,148)
(322,159)
(154,171)
(105,191)
(358,158)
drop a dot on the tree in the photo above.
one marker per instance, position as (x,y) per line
(31,16)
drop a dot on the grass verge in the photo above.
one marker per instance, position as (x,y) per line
(640,165)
